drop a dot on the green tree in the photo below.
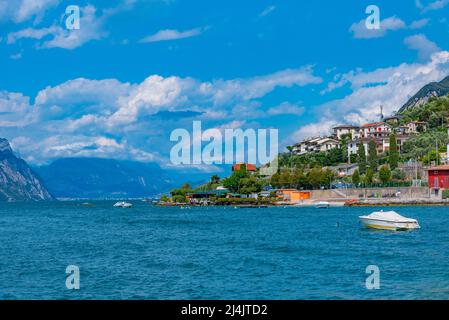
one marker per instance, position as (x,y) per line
(214,179)
(432,156)
(393,158)
(356,177)
(164,198)
(344,146)
(180,199)
(372,155)
(186,186)
(314,177)
(384,174)
(233,182)
(369,176)
(327,177)
(361,158)
(250,185)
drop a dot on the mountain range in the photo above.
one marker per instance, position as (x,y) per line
(18,182)
(433,89)
(97,178)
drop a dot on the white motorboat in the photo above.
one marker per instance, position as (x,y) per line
(389,220)
(123,204)
(322,205)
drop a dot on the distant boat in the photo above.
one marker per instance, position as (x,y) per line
(322,205)
(87,204)
(389,220)
(123,204)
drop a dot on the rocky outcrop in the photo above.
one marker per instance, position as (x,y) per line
(434,89)
(18,182)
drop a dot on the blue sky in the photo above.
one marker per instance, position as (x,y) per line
(137,69)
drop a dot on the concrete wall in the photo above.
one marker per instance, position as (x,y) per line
(406,193)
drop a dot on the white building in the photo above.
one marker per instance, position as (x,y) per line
(342,130)
(415,126)
(317,144)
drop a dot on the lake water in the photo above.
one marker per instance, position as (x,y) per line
(149,252)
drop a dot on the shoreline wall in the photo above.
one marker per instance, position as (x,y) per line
(356,193)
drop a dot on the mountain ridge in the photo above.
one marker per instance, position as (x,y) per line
(433,89)
(103,178)
(18,181)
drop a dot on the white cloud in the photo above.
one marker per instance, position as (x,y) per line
(108,118)
(268,10)
(19,11)
(360,31)
(286,108)
(15,109)
(322,128)
(436,5)
(418,24)
(424,46)
(57,36)
(170,34)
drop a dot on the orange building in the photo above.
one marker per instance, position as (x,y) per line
(293,195)
(240,166)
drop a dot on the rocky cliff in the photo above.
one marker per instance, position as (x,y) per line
(434,89)
(18,182)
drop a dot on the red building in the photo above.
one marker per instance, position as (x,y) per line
(439,177)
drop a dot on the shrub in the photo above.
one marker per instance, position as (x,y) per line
(446,194)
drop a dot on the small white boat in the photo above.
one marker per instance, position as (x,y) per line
(389,220)
(123,204)
(322,205)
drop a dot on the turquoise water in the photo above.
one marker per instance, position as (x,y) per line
(217,253)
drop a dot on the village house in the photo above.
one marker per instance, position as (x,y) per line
(317,144)
(438,178)
(415,127)
(375,130)
(382,144)
(343,130)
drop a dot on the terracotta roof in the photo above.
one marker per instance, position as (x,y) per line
(444,167)
(376,124)
(349,126)
(249,167)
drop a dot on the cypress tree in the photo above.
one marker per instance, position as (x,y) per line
(361,158)
(372,155)
(393,158)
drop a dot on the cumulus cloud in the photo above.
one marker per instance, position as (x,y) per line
(19,11)
(435,5)
(360,31)
(171,34)
(418,24)
(424,46)
(286,108)
(109,118)
(56,36)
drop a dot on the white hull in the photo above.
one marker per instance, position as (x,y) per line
(388,225)
(322,205)
(123,205)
